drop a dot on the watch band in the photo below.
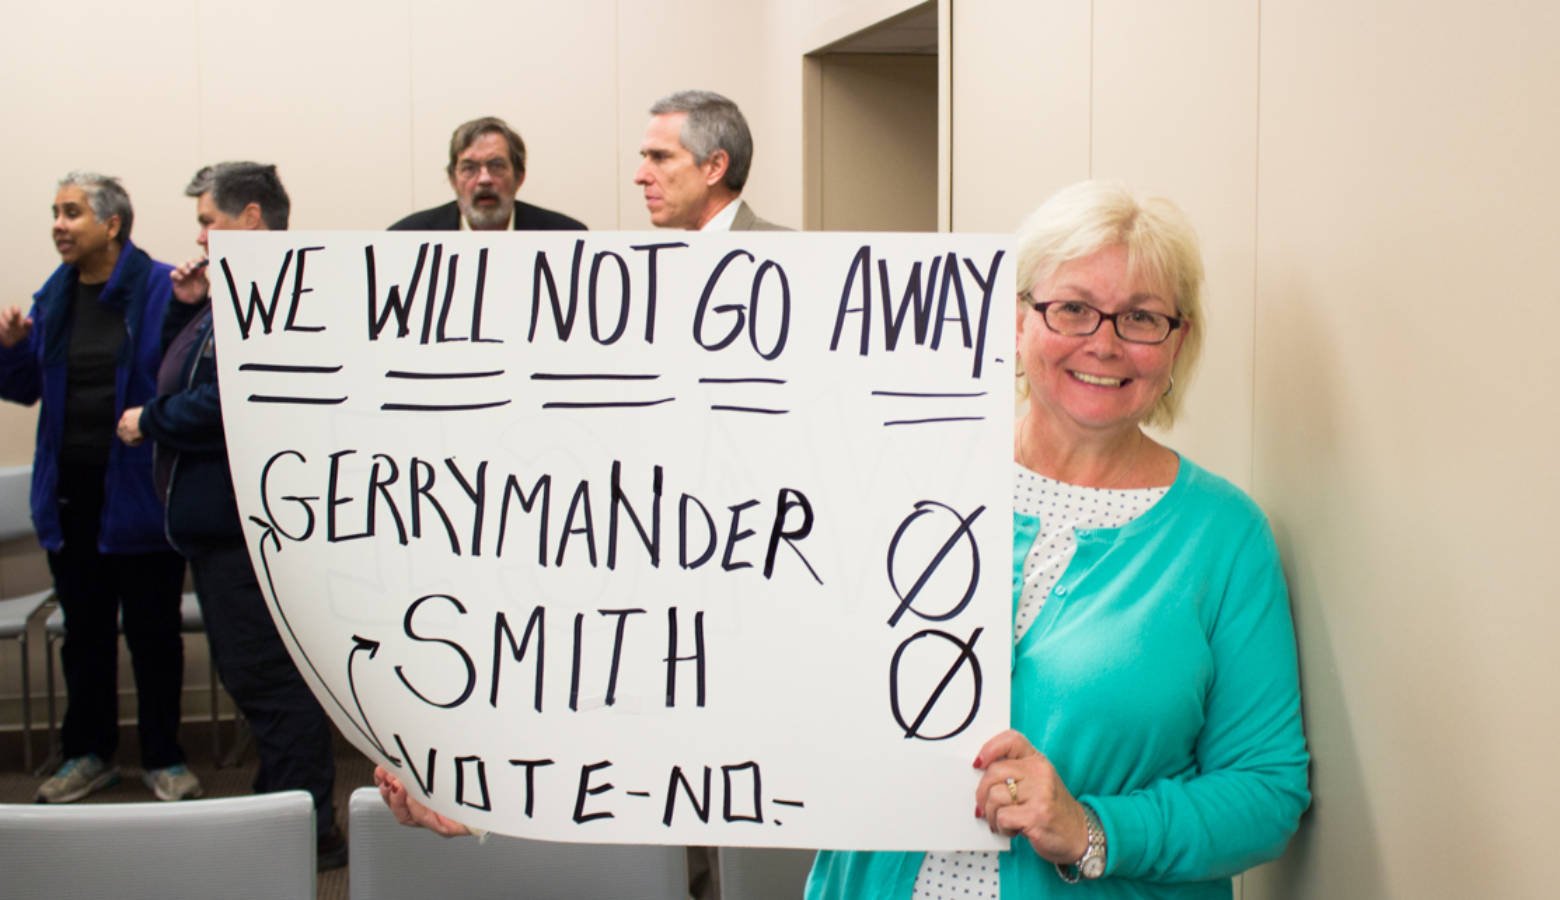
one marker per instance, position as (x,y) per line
(1091,864)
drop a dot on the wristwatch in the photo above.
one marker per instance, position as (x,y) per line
(1091,864)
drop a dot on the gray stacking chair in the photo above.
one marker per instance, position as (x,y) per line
(259,847)
(393,862)
(14,615)
(762,873)
(16,523)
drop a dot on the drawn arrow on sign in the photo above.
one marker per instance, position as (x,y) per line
(362,643)
(269,532)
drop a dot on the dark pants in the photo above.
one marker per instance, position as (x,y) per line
(292,734)
(96,590)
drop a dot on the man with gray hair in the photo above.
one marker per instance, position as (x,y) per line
(486,168)
(697,151)
(292,733)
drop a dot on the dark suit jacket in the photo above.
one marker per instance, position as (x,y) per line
(527,218)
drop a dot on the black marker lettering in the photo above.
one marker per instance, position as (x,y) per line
(701,803)
(265,498)
(460,783)
(682,533)
(478,497)
(465,658)
(257,304)
(421,483)
(333,500)
(530,779)
(624,296)
(652,541)
(379,487)
(297,292)
(733,536)
(395,305)
(758,793)
(580,816)
(542,487)
(617,648)
(502,634)
(672,659)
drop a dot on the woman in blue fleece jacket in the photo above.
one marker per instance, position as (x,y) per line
(1156,747)
(87,351)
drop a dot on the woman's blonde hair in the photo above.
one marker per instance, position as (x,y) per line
(1085,218)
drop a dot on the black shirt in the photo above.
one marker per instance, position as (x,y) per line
(97,336)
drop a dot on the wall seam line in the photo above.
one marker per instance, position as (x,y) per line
(617,104)
(411,108)
(1092,54)
(200,93)
(1256,262)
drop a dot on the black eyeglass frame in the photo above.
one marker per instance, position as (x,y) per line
(1114,318)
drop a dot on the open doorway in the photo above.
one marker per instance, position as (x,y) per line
(871,112)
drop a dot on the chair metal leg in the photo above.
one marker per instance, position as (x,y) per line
(26,708)
(48,668)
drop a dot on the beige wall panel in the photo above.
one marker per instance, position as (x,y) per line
(879,128)
(1405,432)
(92,85)
(548,69)
(827,21)
(320,89)
(727,48)
(24,568)
(1021,109)
(18,427)
(752,53)
(1175,114)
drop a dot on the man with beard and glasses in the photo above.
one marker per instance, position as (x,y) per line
(487,167)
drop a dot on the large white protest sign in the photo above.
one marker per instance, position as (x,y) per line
(655,538)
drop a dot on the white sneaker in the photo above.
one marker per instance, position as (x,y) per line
(76,778)
(175,782)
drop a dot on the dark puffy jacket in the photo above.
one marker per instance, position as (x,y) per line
(186,423)
(34,370)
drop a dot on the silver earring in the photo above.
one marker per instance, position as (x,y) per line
(1170,387)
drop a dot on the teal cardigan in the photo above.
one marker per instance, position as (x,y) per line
(1160,680)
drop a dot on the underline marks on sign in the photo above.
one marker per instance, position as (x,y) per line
(278,367)
(406,375)
(931,395)
(306,401)
(604,404)
(442,376)
(440,407)
(744,408)
(282,369)
(598,377)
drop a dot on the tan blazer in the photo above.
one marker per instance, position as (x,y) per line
(747,220)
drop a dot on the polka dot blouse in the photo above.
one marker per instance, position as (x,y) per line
(1061,509)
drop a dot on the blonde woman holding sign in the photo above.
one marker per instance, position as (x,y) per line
(1156,747)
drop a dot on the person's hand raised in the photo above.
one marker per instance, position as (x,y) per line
(14,327)
(190,284)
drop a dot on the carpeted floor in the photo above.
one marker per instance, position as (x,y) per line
(353,770)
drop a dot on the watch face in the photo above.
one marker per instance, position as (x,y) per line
(1092,867)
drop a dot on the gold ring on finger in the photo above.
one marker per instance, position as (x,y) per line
(1012,786)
